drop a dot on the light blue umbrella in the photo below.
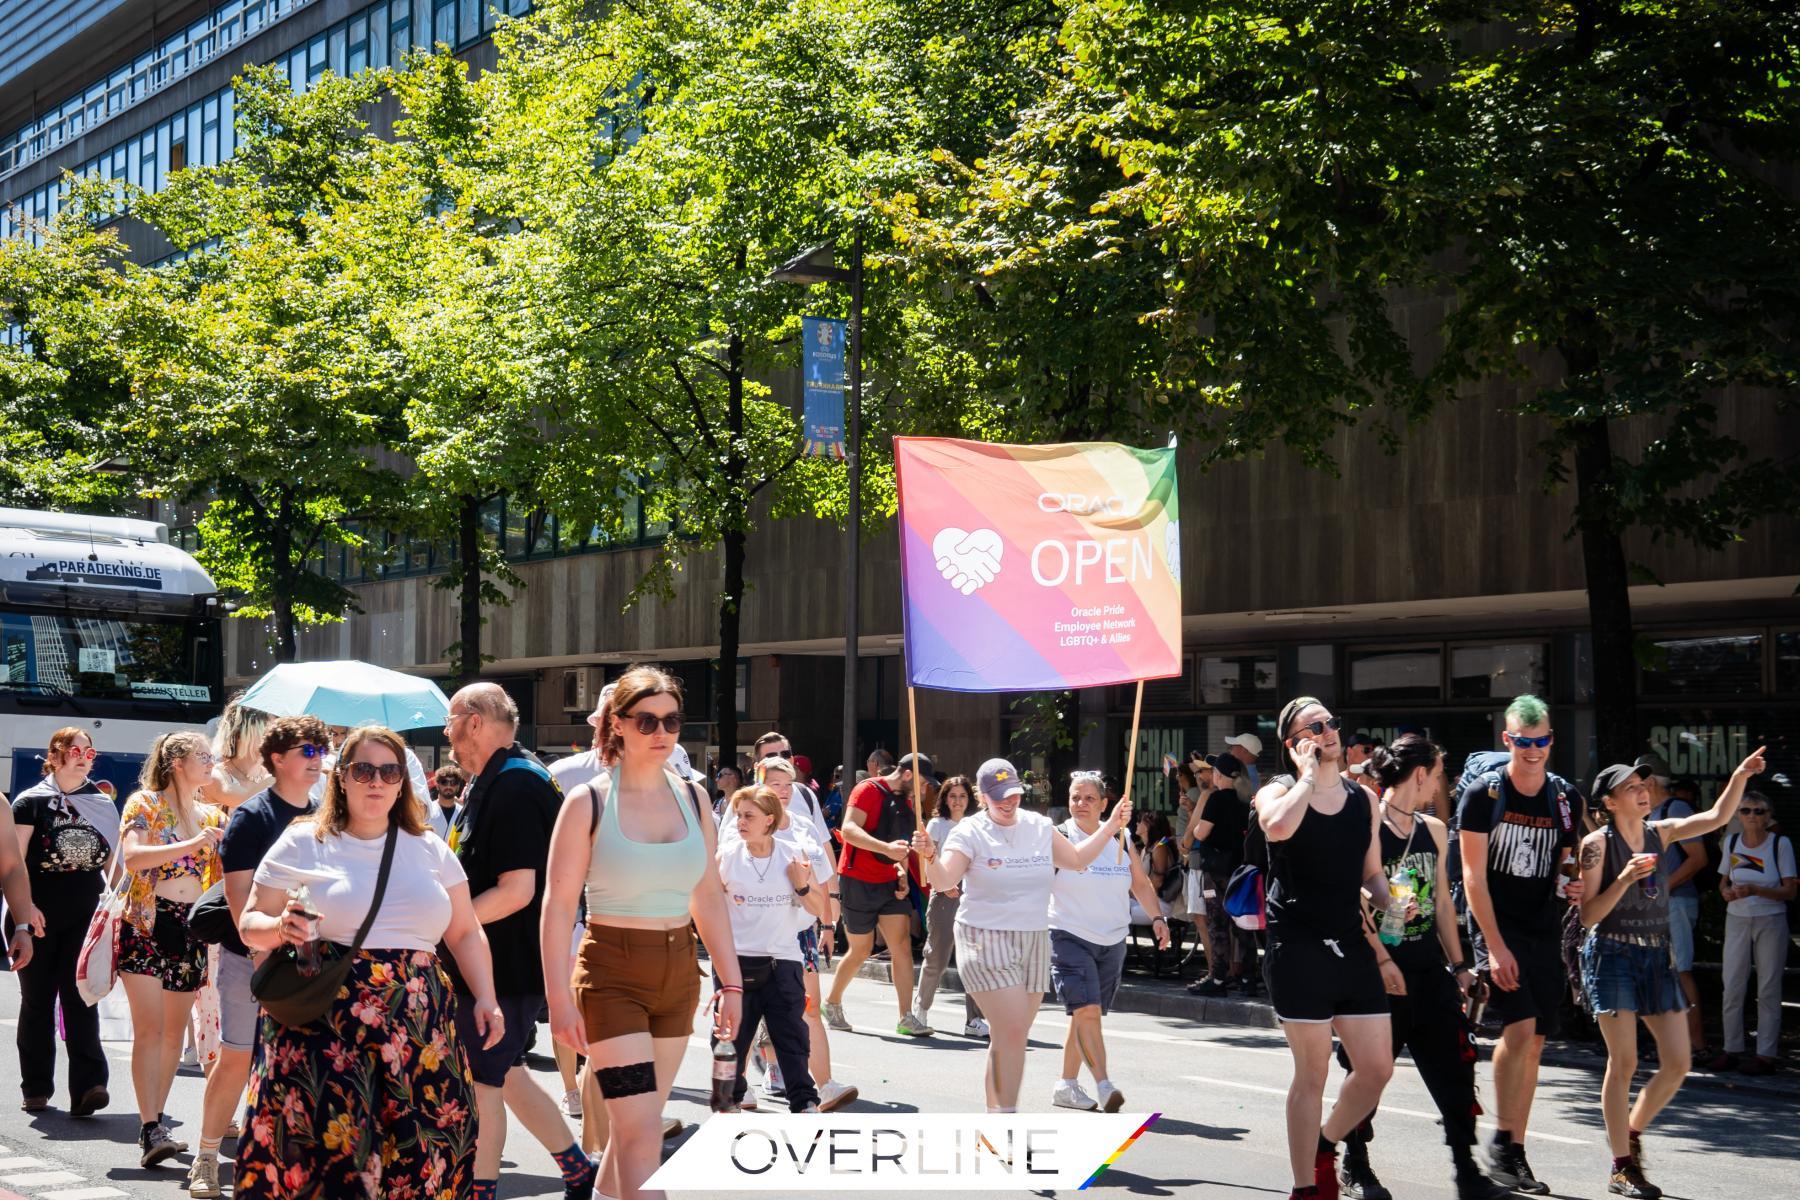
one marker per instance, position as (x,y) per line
(349,693)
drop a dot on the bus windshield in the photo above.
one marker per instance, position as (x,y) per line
(99,656)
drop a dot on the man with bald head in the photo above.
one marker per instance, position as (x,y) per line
(501,836)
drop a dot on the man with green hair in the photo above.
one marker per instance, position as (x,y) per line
(1517,825)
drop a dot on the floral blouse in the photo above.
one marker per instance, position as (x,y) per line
(154,820)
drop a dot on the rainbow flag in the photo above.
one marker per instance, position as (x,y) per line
(1025,568)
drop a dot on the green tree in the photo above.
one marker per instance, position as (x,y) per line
(260,384)
(1592,184)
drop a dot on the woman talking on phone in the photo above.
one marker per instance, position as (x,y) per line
(1323,968)
(1626,967)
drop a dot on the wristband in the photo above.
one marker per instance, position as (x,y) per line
(21,928)
(1155,919)
(801,891)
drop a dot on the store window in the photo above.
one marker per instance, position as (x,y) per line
(1238,679)
(1496,672)
(1787,663)
(1715,665)
(1408,674)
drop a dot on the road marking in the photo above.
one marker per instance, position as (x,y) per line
(92,1193)
(37,1179)
(1386,1109)
(19,1164)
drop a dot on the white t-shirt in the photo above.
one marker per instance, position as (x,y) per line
(340,872)
(1095,904)
(797,836)
(1007,885)
(1759,866)
(575,770)
(765,914)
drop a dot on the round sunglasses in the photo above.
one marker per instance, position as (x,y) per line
(366,772)
(647,723)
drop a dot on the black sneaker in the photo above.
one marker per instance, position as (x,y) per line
(1471,1184)
(1207,987)
(1629,1181)
(157,1146)
(1356,1179)
(1508,1166)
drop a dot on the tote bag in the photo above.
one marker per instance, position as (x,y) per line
(97,962)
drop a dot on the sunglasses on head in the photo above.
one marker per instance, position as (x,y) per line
(1318,727)
(1531,743)
(1084,777)
(365,772)
(647,724)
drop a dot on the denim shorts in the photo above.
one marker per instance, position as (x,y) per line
(239,1013)
(1084,973)
(1624,977)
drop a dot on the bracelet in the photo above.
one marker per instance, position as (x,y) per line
(22,927)
(1155,919)
(731,987)
(1384,962)
(837,895)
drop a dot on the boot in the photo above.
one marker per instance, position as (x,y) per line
(1356,1178)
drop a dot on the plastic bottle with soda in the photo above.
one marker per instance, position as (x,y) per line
(724,1076)
(307,956)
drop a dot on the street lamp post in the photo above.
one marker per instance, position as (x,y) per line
(817,266)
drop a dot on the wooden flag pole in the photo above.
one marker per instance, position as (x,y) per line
(912,721)
(1137,708)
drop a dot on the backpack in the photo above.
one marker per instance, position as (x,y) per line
(1175,878)
(1244,900)
(1488,766)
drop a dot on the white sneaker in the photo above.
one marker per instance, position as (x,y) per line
(834,1017)
(1111,1098)
(912,1026)
(189,1056)
(571,1104)
(834,1095)
(203,1178)
(977,1028)
(1068,1094)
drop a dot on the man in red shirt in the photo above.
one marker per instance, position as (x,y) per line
(874,878)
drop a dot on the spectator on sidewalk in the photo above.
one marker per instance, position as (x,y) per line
(1758,883)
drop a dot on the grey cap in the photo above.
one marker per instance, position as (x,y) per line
(997,780)
(1611,777)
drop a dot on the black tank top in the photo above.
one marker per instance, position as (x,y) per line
(1315,876)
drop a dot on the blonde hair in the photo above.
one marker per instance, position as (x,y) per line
(158,775)
(333,816)
(766,802)
(634,685)
(240,731)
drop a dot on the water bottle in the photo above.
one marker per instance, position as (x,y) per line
(1393,921)
(307,956)
(724,1076)
(1476,1006)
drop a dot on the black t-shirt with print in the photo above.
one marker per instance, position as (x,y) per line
(65,857)
(1524,852)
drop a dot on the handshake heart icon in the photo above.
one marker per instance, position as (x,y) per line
(969,559)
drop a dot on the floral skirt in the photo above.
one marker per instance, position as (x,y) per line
(373,1100)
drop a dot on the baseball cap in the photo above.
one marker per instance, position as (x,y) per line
(1655,764)
(1611,777)
(906,763)
(605,695)
(1224,764)
(997,780)
(803,765)
(1248,741)
(681,764)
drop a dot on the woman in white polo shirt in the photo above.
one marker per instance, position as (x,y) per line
(1005,861)
(1090,916)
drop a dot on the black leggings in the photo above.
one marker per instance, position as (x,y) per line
(1429,1022)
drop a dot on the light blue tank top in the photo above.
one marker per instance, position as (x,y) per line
(626,878)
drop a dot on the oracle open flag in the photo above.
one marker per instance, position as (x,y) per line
(1027,568)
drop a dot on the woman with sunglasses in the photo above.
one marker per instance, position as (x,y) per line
(374,1098)
(1758,883)
(1090,916)
(1325,970)
(67,829)
(954,803)
(169,842)
(1005,860)
(1627,968)
(635,844)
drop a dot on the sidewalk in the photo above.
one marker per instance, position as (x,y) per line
(1170,998)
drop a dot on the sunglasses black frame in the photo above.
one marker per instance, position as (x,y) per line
(647,723)
(768,754)
(366,772)
(1316,728)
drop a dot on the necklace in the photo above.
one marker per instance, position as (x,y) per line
(1006,833)
(762,873)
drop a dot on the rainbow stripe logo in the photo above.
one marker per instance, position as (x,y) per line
(1120,1152)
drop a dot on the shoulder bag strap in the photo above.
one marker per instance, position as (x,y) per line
(381,882)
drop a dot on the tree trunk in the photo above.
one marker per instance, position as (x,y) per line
(730,621)
(468,551)
(281,543)
(1609,596)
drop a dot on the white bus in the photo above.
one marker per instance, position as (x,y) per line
(103,625)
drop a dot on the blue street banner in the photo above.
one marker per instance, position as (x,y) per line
(822,342)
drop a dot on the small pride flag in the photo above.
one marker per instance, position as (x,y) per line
(1028,568)
(1119,1153)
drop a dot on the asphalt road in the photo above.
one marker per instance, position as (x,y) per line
(1220,1091)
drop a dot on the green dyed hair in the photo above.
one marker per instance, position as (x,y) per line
(1526,711)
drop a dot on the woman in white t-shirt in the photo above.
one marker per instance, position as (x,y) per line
(955,801)
(772,896)
(378,1087)
(1090,917)
(1758,881)
(1004,860)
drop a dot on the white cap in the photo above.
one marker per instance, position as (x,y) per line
(605,695)
(682,765)
(1248,741)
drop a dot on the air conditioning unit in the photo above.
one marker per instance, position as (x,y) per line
(581,688)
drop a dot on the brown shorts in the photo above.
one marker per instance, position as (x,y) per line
(637,981)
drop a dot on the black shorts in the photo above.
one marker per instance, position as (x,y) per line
(489,1067)
(1313,981)
(1543,981)
(864,902)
